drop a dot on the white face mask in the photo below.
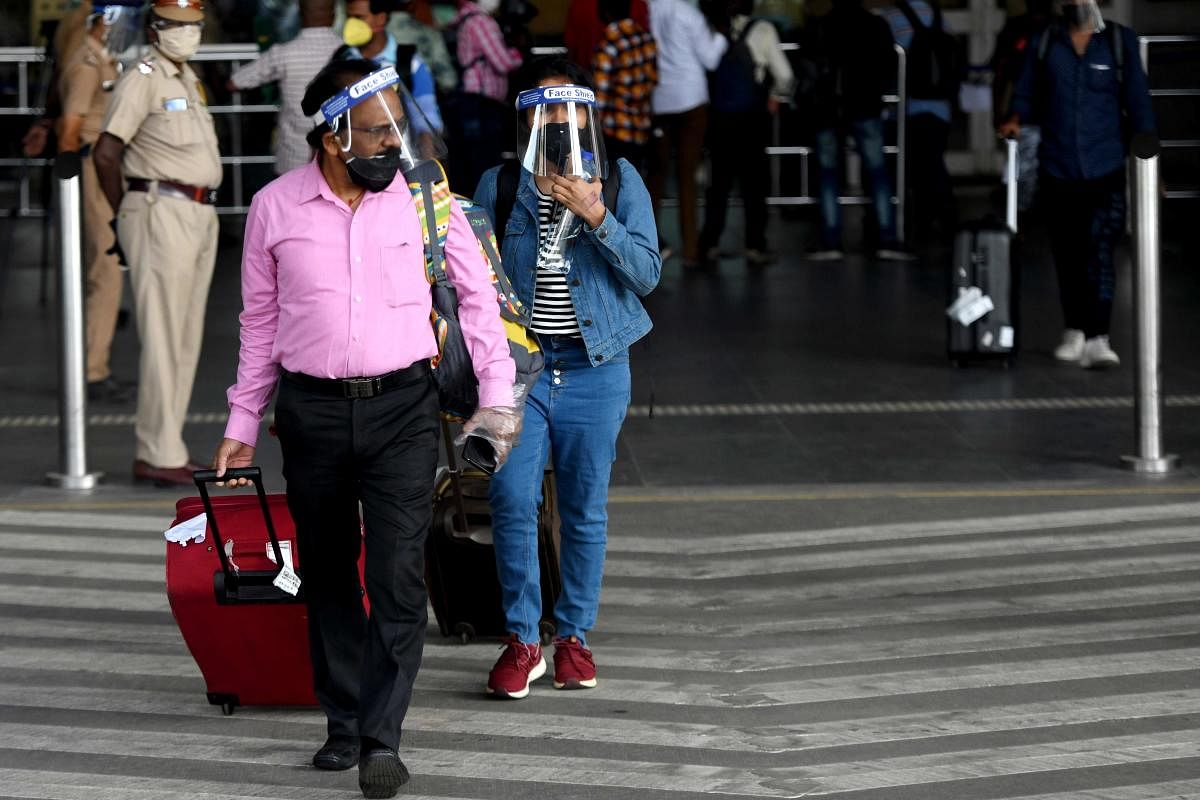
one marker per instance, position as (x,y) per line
(489,6)
(179,44)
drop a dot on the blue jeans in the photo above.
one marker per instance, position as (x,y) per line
(868,135)
(574,415)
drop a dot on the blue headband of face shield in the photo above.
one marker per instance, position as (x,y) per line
(352,95)
(546,95)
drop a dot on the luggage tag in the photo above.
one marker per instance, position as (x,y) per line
(971,305)
(285,547)
(287,580)
(190,530)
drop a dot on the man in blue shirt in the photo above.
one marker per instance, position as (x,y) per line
(1086,87)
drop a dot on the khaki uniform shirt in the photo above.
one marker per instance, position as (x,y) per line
(159,111)
(86,85)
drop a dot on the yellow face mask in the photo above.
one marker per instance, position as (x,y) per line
(356,33)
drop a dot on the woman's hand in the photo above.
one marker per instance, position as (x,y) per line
(585,199)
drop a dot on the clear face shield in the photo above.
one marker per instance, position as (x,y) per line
(560,132)
(1081,15)
(123,30)
(379,129)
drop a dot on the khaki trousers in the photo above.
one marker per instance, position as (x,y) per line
(171,246)
(103,275)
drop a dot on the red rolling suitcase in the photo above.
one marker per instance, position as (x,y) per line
(249,637)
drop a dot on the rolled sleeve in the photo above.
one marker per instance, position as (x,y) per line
(258,372)
(264,69)
(478,313)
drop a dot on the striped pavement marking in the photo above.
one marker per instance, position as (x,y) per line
(726,409)
(1036,655)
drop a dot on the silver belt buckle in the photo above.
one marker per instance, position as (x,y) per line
(359,387)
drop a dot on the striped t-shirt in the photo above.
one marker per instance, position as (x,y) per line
(553,312)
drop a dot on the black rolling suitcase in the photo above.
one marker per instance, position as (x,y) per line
(984,279)
(460,561)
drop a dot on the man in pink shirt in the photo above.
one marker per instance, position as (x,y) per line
(336,312)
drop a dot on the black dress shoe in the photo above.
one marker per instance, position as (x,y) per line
(110,391)
(381,773)
(338,753)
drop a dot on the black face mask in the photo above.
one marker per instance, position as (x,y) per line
(558,143)
(1074,15)
(376,173)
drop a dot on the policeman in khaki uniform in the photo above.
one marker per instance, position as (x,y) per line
(158,164)
(85,85)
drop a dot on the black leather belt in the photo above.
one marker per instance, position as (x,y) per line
(197,194)
(351,388)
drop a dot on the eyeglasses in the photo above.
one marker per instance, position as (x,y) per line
(161,24)
(377,133)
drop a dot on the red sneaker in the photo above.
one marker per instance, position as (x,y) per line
(573,665)
(519,665)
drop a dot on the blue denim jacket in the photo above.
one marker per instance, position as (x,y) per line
(612,266)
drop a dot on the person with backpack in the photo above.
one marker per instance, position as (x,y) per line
(688,46)
(935,70)
(625,70)
(855,60)
(1083,82)
(751,82)
(479,108)
(586,308)
(336,318)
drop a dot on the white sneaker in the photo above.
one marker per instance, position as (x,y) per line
(1071,348)
(1097,354)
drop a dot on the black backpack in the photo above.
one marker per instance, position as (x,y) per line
(509,179)
(936,65)
(732,88)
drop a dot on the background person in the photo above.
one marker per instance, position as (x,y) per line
(293,64)
(1087,105)
(158,165)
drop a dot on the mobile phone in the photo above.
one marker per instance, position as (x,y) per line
(479,452)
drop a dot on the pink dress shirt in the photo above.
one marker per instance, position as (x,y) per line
(339,294)
(481,45)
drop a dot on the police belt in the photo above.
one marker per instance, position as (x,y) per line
(183,191)
(350,388)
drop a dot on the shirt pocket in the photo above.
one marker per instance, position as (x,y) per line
(180,128)
(1102,78)
(402,279)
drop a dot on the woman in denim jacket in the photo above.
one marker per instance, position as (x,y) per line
(586,320)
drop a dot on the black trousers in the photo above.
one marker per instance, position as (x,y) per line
(737,151)
(1086,218)
(382,452)
(930,192)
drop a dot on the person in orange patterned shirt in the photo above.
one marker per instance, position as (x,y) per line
(625,71)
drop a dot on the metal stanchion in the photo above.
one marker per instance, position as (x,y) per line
(1147,322)
(72,393)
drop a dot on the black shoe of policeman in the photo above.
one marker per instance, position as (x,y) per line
(381,773)
(110,390)
(338,753)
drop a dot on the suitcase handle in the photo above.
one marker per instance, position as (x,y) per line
(1011,173)
(204,477)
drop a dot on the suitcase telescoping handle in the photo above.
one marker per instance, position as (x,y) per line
(203,477)
(1011,173)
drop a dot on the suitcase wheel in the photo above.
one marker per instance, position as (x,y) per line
(547,630)
(465,632)
(227,702)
